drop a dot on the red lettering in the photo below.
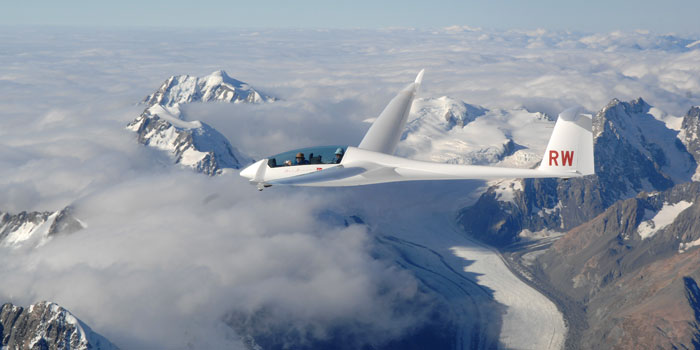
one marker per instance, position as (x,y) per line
(567,157)
(317,169)
(553,155)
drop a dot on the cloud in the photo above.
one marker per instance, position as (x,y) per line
(169,254)
(166,256)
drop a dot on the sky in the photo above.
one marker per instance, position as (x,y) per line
(677,16)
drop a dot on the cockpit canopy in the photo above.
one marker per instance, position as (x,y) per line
(312,155)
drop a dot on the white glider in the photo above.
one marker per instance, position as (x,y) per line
(569,154)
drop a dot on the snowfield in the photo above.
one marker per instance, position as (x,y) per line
(657,221)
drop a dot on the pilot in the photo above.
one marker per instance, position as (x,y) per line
(300,159)
(338,155)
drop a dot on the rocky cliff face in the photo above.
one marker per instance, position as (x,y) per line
(630,252)
(46,325)
(635,268)
(193,144)
(690,135)
(633,152)
(36,228)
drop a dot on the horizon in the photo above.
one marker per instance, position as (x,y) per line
(676,16)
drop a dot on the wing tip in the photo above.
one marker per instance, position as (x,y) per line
(419,77)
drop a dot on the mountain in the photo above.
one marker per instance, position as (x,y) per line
(36,228)
(193,144)
(635,270)
(619,250)
(690,135)
(447,130)
(215,87)
(634,152)
(638,41)
(46,325)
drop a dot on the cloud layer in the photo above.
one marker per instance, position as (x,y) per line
(167,254)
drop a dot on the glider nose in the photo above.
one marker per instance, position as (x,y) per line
(255,171)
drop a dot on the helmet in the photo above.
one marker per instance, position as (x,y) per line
(339,150)
(300,155)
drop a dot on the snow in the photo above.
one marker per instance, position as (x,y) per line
(683,247)
(447,130)
(660,220)
(217,86)
(505,189)
(672,122)
(544,233)
(693,44)
(162,139)
(549,211)
(651,137)
(23,233)
(30,232)
(172,115)
(531,321)
(191,157)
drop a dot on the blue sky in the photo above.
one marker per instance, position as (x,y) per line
(679,16)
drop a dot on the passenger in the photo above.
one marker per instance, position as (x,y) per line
(300,159)
(338,155)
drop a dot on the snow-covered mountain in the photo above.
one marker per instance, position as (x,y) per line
(215,87)
(639,40)
(193,144)
(690,136)
(451,131)
(634,152)
(624,243)
(36,228)
(46,325)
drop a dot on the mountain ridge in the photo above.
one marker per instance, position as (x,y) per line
(193,144)
(47,325)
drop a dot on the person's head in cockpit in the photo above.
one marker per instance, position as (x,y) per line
(339,155)
(300,159)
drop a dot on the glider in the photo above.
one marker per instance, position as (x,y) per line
(569,154)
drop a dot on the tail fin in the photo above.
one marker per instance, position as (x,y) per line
(570,148)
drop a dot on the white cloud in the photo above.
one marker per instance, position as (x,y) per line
(167,253)
(166,256)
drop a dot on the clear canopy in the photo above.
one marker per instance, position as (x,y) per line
(312,155)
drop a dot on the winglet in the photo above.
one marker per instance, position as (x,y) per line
(419,77)
(385,132)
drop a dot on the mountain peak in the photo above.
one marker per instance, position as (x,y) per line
(193,143)
(626,130)
(636,106)
(217,86)
(46,325)
(221,77)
